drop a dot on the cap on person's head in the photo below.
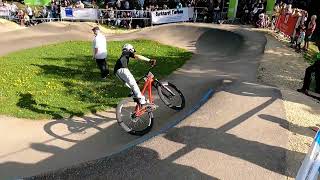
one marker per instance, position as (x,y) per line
(95,28)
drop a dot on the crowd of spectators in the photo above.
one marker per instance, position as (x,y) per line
(123,13)
(304,28)
(209,11)
(120,13)
(253,12)
(134,14)
(28,16)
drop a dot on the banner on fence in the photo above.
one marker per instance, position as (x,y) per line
(287,24)
(232,9)
(309,169)
(4,12)
(270,7)
(171,15)
(76,13)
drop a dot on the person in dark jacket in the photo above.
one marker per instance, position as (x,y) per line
(314,68)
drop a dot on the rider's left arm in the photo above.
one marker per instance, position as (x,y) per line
(140,57)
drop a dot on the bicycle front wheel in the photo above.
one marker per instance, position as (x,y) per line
(171,96)
(132,124)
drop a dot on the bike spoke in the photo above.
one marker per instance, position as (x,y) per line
(129,112)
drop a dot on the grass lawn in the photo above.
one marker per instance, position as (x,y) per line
(310,55)
(62,80)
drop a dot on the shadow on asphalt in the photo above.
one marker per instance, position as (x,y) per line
(296,129)
(142,162)
(139,163)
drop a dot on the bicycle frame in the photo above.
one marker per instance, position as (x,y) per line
(147,87)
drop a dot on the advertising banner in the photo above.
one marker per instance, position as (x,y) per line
(37,2)
(270,6)
(232,9)
(4,12)
(171,15)
(76,13)
(287,24)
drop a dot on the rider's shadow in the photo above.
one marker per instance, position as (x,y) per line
(78,125)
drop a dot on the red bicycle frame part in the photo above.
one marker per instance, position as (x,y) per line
(148,84)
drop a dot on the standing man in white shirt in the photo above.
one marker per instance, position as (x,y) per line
(100,52)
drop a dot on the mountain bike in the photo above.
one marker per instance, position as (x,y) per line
(137,119)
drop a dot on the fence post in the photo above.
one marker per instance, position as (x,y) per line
(151,19)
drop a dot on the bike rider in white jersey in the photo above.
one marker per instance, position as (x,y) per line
(122,72)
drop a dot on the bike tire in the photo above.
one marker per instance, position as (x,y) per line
(124,123)
(163,93)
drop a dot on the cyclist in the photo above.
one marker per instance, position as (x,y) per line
(123,73)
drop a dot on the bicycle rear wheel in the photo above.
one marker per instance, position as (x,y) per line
(129,122)
(171,96)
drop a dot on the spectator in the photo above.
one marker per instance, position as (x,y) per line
(26,19)
(100,52)
(111,16)
(295,36)
(310,29)
(36,13)
(80,5)
(141,14)
(260,7)
(94,4)
(50,15)
(118,4)
(304,17)
(29,11)
(54,10)
(282,8)
(289,9)
(44,12)
(126,5)
(13,9)
(179,5)
(216,11)
(21,17)
(301,37)
(315,68)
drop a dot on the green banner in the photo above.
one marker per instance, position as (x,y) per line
(232,10)
(270,6)
(37,2)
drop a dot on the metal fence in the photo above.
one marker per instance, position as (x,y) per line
(122,18)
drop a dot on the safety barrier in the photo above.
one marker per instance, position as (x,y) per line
(4,12)
(130,18)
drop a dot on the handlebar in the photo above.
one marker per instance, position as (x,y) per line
(146,74)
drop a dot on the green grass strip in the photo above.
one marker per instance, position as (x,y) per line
(62,80)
